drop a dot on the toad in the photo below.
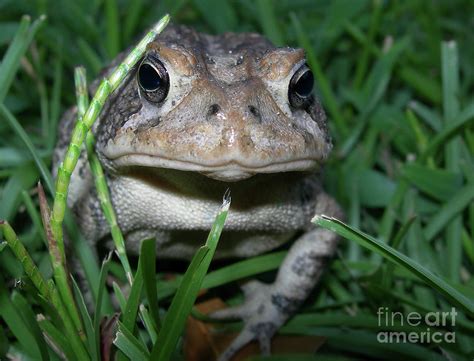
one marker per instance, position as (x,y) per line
(200,114)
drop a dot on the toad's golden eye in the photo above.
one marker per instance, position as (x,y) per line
(153,80)
(301,86)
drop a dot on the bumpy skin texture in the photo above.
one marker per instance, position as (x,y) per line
(226,122)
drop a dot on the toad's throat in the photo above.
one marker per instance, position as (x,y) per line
(229,171)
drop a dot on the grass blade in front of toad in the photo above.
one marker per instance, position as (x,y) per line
(72,155)
(184,298)
(49,292)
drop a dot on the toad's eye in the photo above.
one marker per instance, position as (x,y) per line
(153,80)
(301,86)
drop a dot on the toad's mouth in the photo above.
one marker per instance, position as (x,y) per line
(227,171)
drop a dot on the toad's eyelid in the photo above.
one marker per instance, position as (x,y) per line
(298,66)
(152,58)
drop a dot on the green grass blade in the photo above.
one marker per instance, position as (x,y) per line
(130,345)
(180,308)
(468,245)
(243,269)
(438,183)
(452,151)
(58,338)
(91,58)
(363,343)
(186,295)
(22,255)
(11,60)
(268,20)
(420,135)
(14,157)
(131,308)
(463,323)
(106,205)
(134,10)
(55,103)
(397,239)
(363,61)
(18,129)
(79,20)
(8,29)
(450,209)
(394,256)
(422,83)
(388,219)
(148,266)
(86,319)
(464,120)
(119,296)
(233,272)
(112,43)
(16,323)
(149,323)
(34,215)
(386,271)
(377,81)
(322,81)
(450,75)
(104,270)
(26,312)
(374,188)
(133,301)
(430,117)
(47,290)
(88,261)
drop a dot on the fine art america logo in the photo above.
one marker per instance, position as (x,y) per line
(427,328)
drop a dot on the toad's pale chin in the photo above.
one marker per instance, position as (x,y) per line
(230,171)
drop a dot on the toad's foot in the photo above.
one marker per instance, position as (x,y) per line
(264,311)
(267,306)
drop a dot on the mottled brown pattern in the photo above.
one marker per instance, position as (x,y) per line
(226,122)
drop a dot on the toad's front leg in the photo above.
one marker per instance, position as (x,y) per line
(268,306)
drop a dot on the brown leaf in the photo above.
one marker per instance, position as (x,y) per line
(108,329)
(204,341)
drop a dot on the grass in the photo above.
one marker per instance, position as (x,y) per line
(396,80)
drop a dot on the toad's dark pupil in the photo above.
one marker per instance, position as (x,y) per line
(149,77)
(304,85)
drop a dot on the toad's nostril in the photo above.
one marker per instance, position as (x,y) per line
(214,109)
(255,112)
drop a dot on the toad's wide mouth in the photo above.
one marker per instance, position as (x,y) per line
(229,170)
